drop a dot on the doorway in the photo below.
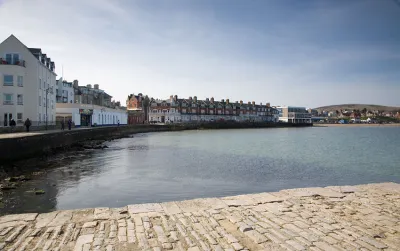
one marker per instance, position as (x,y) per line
(7,119)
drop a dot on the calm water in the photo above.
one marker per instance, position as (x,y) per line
(158,167)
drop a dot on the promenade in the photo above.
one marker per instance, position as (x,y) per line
(363,217)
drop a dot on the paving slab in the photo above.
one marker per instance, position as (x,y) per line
(330,218)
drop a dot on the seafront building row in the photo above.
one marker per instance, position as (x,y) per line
(29,89)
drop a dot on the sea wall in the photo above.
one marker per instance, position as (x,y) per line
(12,149)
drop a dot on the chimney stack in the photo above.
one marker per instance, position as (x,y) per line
(89,86)
(241,102)
(195,98)
(96,86)
(212,99)
(249,103)
(253,103)
(222,101)
(268,105)
(190,98)
(75,83)
(176,98)
(227,100)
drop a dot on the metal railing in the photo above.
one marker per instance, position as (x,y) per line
(8,102)
(8,62)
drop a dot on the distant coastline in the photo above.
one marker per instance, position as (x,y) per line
(356,125)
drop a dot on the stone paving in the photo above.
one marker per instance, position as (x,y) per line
(364,217)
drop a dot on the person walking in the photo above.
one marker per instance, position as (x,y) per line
(62,125)
(27,124)
(12,124)
(118,123)
(69,124)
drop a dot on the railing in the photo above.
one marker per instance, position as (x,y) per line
(8,102)
(19,62)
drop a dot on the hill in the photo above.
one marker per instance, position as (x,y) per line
(358,107)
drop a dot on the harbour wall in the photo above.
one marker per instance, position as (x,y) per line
(17,148)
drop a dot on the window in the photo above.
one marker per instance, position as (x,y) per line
(20,99)
(12,58)
(40,84)
(40,118)
(44,84)
(8,80)
(7,99)
(40,102)
(19,118)
(20,81)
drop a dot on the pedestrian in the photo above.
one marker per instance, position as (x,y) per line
(118,123)
(12,124)
(69,124)
(62,125)
(27,124)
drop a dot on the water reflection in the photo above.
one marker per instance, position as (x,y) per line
(158,167)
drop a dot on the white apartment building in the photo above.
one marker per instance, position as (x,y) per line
(294,114)
(64,92)
(27,84)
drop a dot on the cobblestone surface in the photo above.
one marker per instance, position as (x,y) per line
(364,217)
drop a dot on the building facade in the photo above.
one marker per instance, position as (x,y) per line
(27,84)
(293,114)
(136,109)
(64,92)
(85,115)
(91,95)
(192,110)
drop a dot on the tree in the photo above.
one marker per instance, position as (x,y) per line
(364,111)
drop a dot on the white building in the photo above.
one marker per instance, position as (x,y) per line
(91,115)
(27,84)
(65,91)
(293,114)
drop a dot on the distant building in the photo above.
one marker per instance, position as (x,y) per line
(27,84)
(91,96)
(135,109)
(293,114)
(313,112)
(64,92)
(192,110)
(332,114)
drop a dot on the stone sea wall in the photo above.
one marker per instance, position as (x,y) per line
(12,149)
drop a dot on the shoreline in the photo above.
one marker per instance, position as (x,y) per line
(288,219)
(356,125)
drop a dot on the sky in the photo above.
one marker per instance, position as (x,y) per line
(287,52)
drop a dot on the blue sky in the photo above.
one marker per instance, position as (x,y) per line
(287,52)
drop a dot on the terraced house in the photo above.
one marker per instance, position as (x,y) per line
(175,110)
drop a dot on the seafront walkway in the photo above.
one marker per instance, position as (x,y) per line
(43,132)
(363,217)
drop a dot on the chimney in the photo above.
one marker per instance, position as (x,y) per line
(260,103)
(227,100)
(222,100)
(176,98)
(96,86)
(212,99)
(249,103)
(75,83)
(195,98)
(268,105)
(171,97)
(241,102)
(207,99)
(89,86)
(190,98)
(253,103)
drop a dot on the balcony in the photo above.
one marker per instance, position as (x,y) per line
(8,102)
(19,62)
